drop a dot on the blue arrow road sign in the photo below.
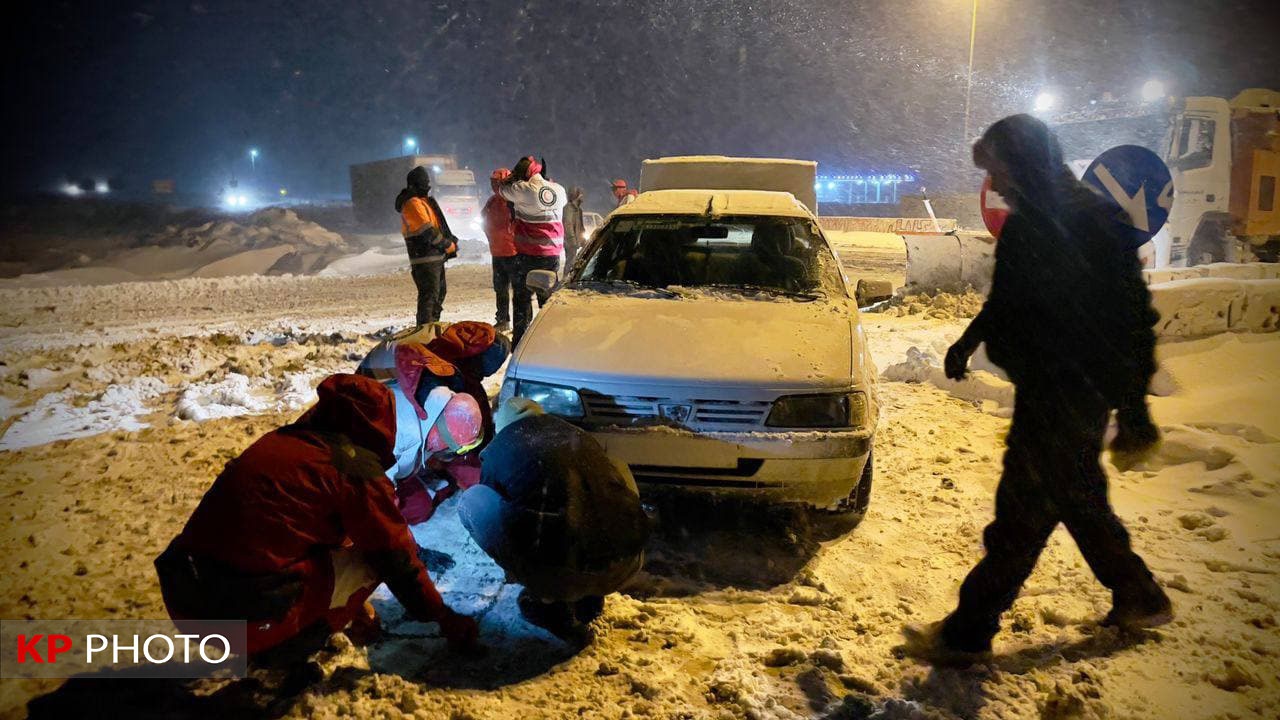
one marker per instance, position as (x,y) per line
(1140,183)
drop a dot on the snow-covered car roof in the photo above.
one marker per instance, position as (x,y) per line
(715,202)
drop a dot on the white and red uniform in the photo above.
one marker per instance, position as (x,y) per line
(539,205)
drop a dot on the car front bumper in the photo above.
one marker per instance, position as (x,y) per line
(817,468)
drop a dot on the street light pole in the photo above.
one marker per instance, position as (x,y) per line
(968,85)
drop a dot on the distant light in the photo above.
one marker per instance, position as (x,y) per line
(817,186)
(253,153)
(908,178)
(1152,90)
(72,189)
(101,187)
(410,144)
(831,186)
(283,191)
(436,168)
(1045,101)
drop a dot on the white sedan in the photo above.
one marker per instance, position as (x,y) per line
(709,340)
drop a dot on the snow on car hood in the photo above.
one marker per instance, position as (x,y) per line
(704,339)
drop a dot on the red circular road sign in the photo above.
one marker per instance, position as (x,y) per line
(994,209)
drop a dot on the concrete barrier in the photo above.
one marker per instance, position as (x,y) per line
(1196,307)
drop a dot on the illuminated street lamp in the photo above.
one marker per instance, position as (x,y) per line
(1045,101)
(253,157)
(1152,90)
(410,145)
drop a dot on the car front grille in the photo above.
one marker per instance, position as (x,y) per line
(695,414)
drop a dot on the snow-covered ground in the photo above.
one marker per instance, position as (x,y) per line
(120,404)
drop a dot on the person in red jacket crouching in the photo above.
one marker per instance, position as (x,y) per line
(298,531)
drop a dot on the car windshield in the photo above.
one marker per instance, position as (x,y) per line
(757,253)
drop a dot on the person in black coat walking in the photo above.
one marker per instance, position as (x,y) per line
(1070,320)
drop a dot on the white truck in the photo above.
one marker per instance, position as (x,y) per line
(1225,160)
(455,191)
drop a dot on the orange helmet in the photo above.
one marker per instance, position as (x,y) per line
(498,177)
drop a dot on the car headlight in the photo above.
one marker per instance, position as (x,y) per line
(556,400)
(846,410)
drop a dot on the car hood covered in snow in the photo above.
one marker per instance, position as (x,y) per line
(721,340)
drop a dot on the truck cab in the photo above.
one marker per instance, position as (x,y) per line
(455,191)
(1224,157)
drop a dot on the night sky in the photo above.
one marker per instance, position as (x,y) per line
(139,91)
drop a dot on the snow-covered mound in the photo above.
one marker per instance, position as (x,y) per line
(111,245)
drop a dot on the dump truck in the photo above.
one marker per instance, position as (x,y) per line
(1225,159)
(1224,156)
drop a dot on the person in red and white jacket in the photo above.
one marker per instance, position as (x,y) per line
(539,219)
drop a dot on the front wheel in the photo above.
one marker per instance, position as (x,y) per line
(846,515)
(860,497)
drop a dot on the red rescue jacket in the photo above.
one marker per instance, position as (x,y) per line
(499,227)
(304,490)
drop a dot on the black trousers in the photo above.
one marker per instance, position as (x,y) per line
(504,274)
(429,277)
(522,303)
(1051,475)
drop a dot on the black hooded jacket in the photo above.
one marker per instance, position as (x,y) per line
(1067,298)
(432,243)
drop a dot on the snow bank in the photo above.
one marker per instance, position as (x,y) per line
(375,261)
(1234,271)
(236,395)
(979,386)
(1209,305)
(64,415)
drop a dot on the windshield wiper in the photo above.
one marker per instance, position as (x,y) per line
(629,284)
(796,294)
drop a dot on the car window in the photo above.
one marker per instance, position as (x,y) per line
(760,252)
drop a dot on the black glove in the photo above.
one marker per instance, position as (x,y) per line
(956,365)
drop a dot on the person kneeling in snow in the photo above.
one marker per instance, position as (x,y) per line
(438,433)
(298,531)
(557,514)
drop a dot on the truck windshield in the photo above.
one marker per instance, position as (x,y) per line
(468,191)
(1192,146)
(749,253)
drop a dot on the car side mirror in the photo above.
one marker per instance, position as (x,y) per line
(870,292)
(541,280)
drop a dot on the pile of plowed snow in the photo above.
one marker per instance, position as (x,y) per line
(941,305)
(271,241)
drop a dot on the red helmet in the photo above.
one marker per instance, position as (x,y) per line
(498,177)
(460,426)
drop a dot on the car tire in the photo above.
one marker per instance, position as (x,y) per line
(860,497)
(829,524)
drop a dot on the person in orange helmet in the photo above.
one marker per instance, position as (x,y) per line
(500,229)
(620,192)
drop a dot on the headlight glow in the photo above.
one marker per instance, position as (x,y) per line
(845,410)
(555,399)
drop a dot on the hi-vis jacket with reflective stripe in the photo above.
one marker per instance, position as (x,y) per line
(426,234)
(539,205)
